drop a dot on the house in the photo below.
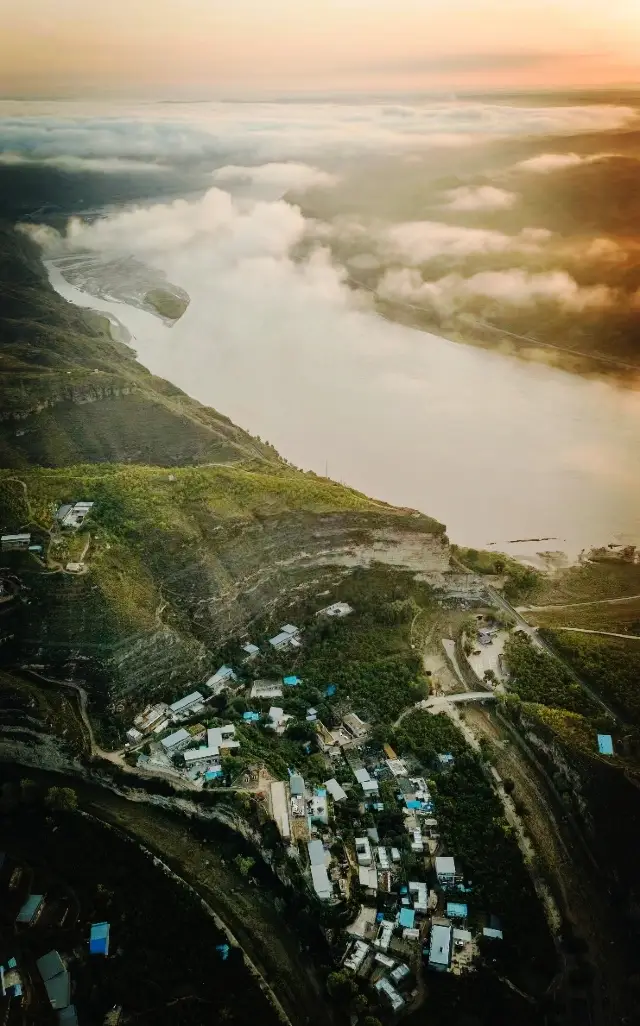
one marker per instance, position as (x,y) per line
(335,790)
(384,960)
(382,857)
(10,980)
(221,680)
(296,785)
(461,937)
(491,933)
(176,741)
(278,718)
(368,879)
(319,810)
(446,870)
(266,689)
(419,893)
(385,933)
(30,910)
(338,609)
(161,727)
(76,515)
(68,1016)
(400,973)
(457,910)
(355,726)
(445,760)
(133,736)
(417,844)
(150,716)
(356,955)
(15,542)
(222,737)
(319,876)
(363,851)
(289,636)
(312,715)
(251,650)
(205,754)
(190,703)
(395,855)
(406,918)
(383,986)
(99,939)
(56,979)
(440,945)
(368,785)
(396,767)
(72,568)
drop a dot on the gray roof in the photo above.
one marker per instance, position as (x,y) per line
(29,909)
(296,785)
(67,1016)
(317,855)
(50,965)
(59,990)
(440,946)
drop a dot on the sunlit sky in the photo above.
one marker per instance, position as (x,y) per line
(203,48)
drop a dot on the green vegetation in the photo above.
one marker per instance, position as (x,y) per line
(538,677)
(520,582)
(61,799)
(610,665)
(606,578)
(620,617)
(167,304)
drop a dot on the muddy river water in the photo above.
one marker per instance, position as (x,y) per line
(498,449)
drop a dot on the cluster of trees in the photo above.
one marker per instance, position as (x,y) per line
(610,665)
(520,581)
(537,677)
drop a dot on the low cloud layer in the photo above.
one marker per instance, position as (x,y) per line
(103,165)
(286,176)
(417,242)
(548,162)
(482,197)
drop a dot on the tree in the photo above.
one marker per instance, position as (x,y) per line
(28,790)
(244,864)
(341,986)
(61,799)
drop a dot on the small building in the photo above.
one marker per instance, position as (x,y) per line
(440,946)
(319,809)
(395,855)
(99,939)
(356,727)
(56,979)
(296,785)
(312,715)
(605,744)
(461,937)
(73,568)
(356,955)
(384,986)
(291,682)
(68,1016)
(289,637)
(30,910)
(75,514)
(368,879)
(251,650)
(194,756)
(385,933)
(445,760)
(396,767)
(337,609)
(457,910)
(185,705)
(150,716)
(363,851)
(368,785)
(417,844)
(335,790)
(382,858)
(319,876)
(11,980)
(406,918)
(161,727)
(176,741)
(15,542)
(251,717)
(400,973)
(221,680)
(266,689)
(492,933)
(419,893)
(317,854)
(384,960)
(446,870)
(133,736)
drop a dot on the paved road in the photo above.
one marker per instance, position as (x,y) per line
(576,605)
(444,703)
(605,634)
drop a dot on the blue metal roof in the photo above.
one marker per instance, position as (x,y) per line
(414,804)
(605,744)
(457,910)
(99,939)
(291,682)
(407,918)
(29,909)
(251,717)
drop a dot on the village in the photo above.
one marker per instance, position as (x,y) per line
(410,896)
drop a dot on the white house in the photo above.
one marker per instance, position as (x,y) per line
(440,946)
(176,741)
(338,609)
(266,689)
(251,650)
(356,955)
(185,705)
(221,679)
(368,785)
(363,851)
(446,870)
(289,636)
(384,986)
(318,859)
(133,736)
(335,790)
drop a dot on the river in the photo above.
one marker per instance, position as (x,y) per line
(496,448)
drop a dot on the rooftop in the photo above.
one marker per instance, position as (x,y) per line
(440,945)
(605,744)
(99,939)
(177,738)
(186,702)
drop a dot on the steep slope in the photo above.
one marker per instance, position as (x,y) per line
(70,394)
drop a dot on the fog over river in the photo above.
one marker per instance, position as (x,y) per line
(496,448)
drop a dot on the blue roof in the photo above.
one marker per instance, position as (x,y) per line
(414,804)
(605,744)
(321,792)
(330,690)
(379,917)
(404,889)
(252,717)
(99,939)
(211,774)
(406,918)
(291,682)
(12,963)
(457,910)
(223,951)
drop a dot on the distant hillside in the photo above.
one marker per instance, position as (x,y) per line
(70,394)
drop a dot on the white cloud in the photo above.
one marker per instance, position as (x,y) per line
(416,242)
(548,162)
(514,287)
(104,165)
(482,197)
(225,132)
(287,176)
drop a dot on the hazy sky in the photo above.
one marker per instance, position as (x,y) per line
(210,47)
